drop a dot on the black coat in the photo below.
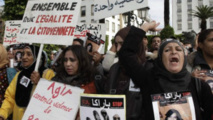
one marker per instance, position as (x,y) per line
(148,83)
(118,82)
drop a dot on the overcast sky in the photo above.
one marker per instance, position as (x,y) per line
(156,11)
(1,2)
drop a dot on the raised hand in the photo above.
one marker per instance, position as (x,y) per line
(151,26)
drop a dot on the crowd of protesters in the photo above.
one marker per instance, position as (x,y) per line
(130,67)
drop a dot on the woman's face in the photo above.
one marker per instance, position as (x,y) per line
(27,57)
(172,117)
(118,42)
(52,56)
(173,57)
(207,46)
(71,63)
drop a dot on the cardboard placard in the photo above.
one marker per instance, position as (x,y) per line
(177,105)
(102,107)
(50,22)
(53,101)
(12,29)
(97,30)
(107,8)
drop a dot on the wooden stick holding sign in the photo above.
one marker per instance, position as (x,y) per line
(39,57)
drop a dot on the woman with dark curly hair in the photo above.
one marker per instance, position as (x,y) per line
(75,69)
(173,114)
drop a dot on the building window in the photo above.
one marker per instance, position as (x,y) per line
(178,1)
(179,26)
(189,8)
(83,11)
(200,2)
(83,21)
(179,9)
(189,25)
(92,10)
(179,18)
(93,21)
(189,17)
(113,27)
(107,25)
(119,27)
(210,3)
(113,17)
(211,24)
(189,0)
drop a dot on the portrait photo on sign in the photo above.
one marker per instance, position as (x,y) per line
(102,107)
(173,106)
(93,43)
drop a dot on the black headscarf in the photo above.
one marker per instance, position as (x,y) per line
(171,82)
(22,96)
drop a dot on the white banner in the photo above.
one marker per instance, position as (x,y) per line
(50,22)
(107,8)
(53,101)
(12,29)
(102,107)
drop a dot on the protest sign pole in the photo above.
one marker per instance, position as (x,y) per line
(39,57)
(57,56)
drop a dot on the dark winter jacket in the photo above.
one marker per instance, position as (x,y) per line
(118,82)
(150,85)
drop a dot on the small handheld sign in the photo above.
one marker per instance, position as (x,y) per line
(108,107)
(12,29)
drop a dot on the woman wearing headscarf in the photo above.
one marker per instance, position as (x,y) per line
(3,72)
(164,81)
(19,92)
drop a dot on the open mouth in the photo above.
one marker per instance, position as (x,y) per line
(24,61)
(174,60)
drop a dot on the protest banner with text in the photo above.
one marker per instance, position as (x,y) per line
(50,22)
(53,101)
(108,8)
(98,30)
(12,29)
(108,107)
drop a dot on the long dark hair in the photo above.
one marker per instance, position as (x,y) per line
(172,111)
(85,68)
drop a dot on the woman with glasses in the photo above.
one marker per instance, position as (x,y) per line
(167,84)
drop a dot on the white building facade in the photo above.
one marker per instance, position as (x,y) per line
(182,19)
